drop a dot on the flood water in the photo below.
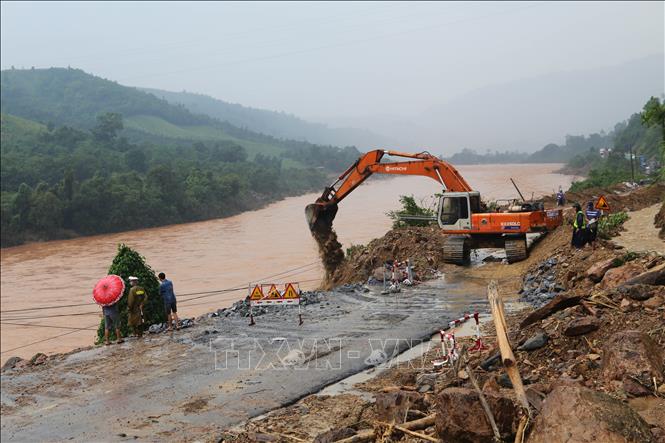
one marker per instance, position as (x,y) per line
(213,255)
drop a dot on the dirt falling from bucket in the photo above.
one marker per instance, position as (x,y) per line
(330,251)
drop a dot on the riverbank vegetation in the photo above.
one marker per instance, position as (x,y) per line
(63,182)
(642,137)
(642,134)
(82,155)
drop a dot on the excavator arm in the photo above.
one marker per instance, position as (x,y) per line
(321,214)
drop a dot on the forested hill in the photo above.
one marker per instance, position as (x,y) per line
(72,97)
(82,155)
(276,124)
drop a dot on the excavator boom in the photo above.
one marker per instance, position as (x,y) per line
(321,213)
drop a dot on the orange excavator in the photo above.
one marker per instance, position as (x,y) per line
(460,211)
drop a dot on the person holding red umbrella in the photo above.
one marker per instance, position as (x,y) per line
(107,292)
(111,320)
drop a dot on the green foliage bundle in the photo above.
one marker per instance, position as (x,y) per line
(610,225)
(128,262)
(410,208)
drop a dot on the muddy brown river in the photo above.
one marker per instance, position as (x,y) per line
(272,244)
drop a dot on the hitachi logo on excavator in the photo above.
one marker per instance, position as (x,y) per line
(395,168)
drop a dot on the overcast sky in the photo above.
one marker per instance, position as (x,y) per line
(328,58)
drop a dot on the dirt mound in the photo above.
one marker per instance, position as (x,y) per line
(423,246)
(620,197)
(660,221)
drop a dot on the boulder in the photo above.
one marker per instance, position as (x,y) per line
(460,416)
(378,274)
(596,272)
(534,342)
(616,276)
(654,302)
(640,292)
(334,434)
(655,276)
(11,362)
(581,326)
(629,356)
(38,359)
(561,301)
(576,414)
(393,406)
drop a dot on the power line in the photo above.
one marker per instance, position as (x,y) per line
(46,339)
(34,325)
(52,316)
(280,274)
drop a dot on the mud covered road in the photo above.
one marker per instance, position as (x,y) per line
(222,371)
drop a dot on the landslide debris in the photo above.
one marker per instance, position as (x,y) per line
(591,360)
(620,197)
(422,246)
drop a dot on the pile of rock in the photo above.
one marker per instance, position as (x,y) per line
(540,285)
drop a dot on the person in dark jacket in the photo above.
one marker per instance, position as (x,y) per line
(579,227)
(560,197)
(593,217)
(168,296)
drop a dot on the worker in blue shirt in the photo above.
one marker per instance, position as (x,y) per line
(593,217)
(168,297)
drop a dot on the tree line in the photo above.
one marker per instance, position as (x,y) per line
(62,182)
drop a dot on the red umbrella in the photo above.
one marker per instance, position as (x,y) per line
(108,290)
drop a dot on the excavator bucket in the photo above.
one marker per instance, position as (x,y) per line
(320,216)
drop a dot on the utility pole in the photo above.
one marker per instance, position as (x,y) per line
(632,171)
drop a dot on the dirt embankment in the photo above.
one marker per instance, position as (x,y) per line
(620,197)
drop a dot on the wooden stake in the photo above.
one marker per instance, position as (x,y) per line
(368,434)
(413,433)
(507,356)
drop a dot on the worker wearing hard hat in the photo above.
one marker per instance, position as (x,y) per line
(135,301)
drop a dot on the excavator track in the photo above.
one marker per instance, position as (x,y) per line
(456,250)
(515,247)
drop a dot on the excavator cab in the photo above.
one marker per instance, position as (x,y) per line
(455,209)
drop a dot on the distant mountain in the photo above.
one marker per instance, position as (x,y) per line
(526,114)
(63,96)
(276,124)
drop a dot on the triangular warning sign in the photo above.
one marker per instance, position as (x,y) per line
(257,293)
(273,293)
(290,292)
(602,204)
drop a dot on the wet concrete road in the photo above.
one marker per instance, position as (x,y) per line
(222,371)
